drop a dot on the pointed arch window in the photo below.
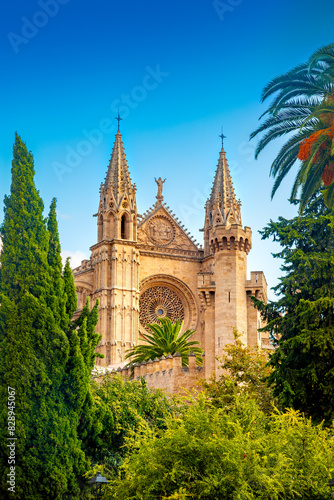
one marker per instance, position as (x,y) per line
(123,227)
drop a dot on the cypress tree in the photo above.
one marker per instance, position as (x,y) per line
(89,423)
(57,299)
(77,384)
(301,322)
(76,388)
(69,290)
(83,414)
(34,349)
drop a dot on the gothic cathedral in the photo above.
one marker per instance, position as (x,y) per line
(147,266)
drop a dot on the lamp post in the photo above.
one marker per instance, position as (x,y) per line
(331,483)
(98,481)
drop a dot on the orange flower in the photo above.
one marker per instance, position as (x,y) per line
(321,149)
(305,147)
(328,174)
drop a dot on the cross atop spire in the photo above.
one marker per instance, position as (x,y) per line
(222,138)
(118,118)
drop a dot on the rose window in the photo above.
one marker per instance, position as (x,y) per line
(160,302)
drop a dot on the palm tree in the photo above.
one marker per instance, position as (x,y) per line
(303,107)
(166,339)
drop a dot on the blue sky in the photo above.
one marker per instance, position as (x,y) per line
(178,70)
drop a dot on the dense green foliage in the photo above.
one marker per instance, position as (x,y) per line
(124,408)
(43,356)
(228,453)
(302,319)
(34,350)
(69,290)
(166,339)
(230,442)
(57,300)
(244,371)
(303,108)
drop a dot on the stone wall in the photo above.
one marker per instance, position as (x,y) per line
(164,373)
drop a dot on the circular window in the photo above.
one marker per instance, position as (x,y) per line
(164,296)
(160,302)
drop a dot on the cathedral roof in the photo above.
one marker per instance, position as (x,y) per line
(222,204)
(118,180)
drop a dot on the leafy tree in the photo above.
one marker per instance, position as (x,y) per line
(227,453)
(166,339)
(301,321)
(243,370)
(58,299)
(303,108)
(41,351)
(69,290)
(83,341)
(124,407)
(33,348)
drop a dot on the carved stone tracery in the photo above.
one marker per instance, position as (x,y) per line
(166,296)
(159,302)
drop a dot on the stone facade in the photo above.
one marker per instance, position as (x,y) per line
(148,266)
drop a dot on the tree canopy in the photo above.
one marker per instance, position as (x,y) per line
(303,108)
(301,320)
(243,371)
(45,359)
(124,408)
(211,452)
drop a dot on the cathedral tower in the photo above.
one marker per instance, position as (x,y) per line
(116,259)
(226,245)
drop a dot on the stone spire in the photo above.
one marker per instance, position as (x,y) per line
(117,213)
(222,207)
(118,182)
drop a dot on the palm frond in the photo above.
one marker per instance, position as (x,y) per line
(276,83)
(323,55)
(274,133)
(328,194)
(302,102)
(166,338)
(284,170)
(311,184)
(287,154)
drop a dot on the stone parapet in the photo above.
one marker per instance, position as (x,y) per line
(86,265)
(164,373)
(234,237)
(257,281)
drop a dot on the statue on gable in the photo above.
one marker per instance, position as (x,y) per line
(160,186)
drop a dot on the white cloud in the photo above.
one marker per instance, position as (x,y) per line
(76,257)
(62,216)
